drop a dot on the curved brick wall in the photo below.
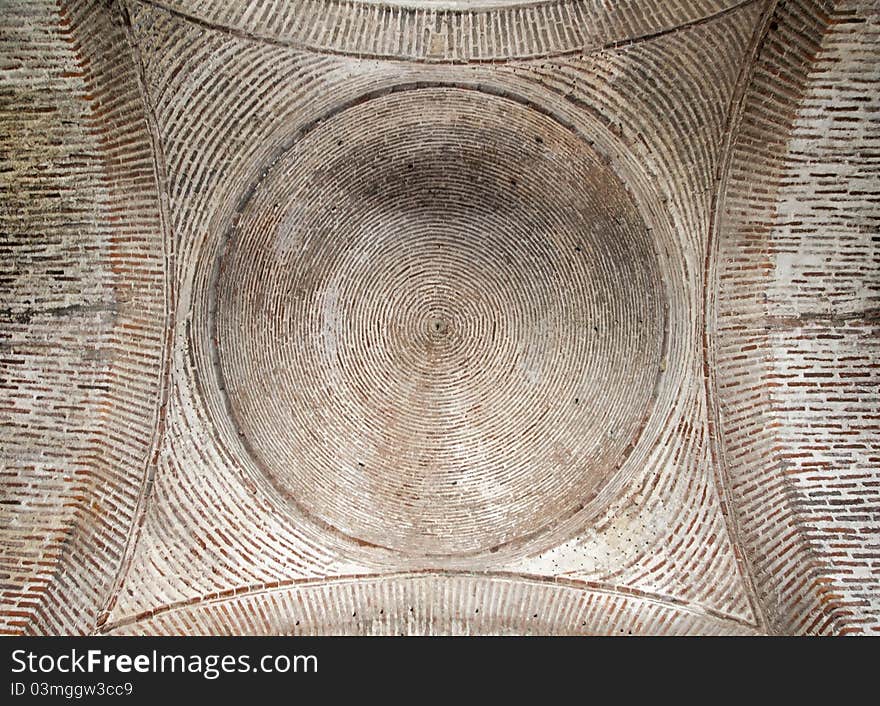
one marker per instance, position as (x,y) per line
(796,308)
(447,32)
(426,318)
(85,304)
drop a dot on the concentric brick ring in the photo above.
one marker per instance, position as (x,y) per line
(439,322)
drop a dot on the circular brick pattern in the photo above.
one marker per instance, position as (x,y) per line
(439,322)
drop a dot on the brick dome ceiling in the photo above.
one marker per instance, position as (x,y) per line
(441,317)
(449,269)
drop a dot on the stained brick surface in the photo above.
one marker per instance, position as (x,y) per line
(351,317)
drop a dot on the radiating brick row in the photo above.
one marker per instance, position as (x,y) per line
(496,32)
(432,605)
